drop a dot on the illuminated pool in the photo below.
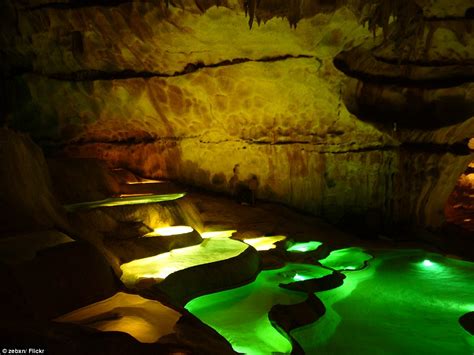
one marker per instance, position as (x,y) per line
(399,302)
(265,243)
(169,231)
(146,320)
(121,201)
(218,234)
(304,247)
(241,314)
(162,265)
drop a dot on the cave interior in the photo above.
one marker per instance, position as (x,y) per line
(237,176)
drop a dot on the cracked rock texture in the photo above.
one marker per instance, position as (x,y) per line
(190,93)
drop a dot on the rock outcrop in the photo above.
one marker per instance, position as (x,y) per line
(419,89)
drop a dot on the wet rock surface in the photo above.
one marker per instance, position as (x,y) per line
(315,285)
(291,317)
(467,321)
(297,315)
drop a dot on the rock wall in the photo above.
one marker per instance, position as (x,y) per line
(190,92)
(417,85)
(27,199)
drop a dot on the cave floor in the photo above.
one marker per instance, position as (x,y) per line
(219,212)
(268,279)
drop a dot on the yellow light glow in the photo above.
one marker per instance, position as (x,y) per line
(145,181)
(470,144)
(264,243)
(218,234)
(122,201)
(171,230)
(470,178)
(145,320)
(162,265)
(162,273)
(132,195)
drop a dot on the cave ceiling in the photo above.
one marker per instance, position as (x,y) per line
(312,97)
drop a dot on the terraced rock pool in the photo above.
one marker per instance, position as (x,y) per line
(398,302)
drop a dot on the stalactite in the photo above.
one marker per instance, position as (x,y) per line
(250,8)
(292,10)
(406,14)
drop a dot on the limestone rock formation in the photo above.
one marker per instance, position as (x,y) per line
(416,84)
(188,92)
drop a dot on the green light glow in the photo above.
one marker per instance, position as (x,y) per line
(241,314)
(162,265)
(408,304)
(411,308)
(304,247)
(346,259)
(121,201)
(299,277)
(427,262)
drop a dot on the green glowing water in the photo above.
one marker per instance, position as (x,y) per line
(120,201)
(405,302)
(241,314)
(304,247)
